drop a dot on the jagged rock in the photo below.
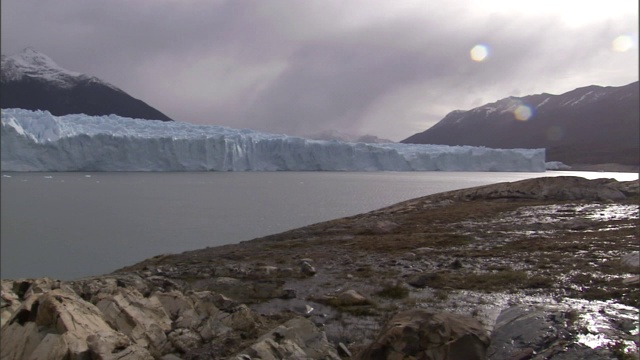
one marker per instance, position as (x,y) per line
(107,347)
(170,357)
(184,339)
(227,286)
(18,341)
(162,283)
(267,289)
(9,301)
(94,289)
(296,339)
(180,309)
(525,327)
(289,294)
(73,318)
(343,350)
(307,269)
(456,264)
(629,188)
(242,290)
(26,311)
(242,318)
(142,319)
(59,324)
(40,286)
(209,304)
(223,302)
(197,311)
(421,280)
(20,287)
(421,334)
(351,298)
(52,347)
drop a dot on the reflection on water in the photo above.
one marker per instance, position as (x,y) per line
(606,323)
(597,323)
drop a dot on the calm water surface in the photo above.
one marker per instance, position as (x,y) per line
(70,225)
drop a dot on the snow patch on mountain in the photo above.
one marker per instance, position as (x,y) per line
(543,102)
(39,66)
(39,141)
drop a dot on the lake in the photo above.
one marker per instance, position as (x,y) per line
(71,225)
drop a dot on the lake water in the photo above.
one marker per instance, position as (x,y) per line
(71,225)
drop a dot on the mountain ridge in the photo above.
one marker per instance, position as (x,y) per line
(588,125)
(33,81)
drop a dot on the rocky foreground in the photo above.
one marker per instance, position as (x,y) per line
(545,268)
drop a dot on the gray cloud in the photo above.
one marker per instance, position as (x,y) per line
(300,67)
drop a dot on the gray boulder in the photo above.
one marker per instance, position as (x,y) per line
(297,339)
(144,320)
(426,335)
(9,301)
(60,325)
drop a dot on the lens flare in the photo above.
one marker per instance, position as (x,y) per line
(523,112)
(622,43)
(479,53)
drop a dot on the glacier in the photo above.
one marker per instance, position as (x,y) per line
(39,141)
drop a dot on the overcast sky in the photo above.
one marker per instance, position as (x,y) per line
(386,68)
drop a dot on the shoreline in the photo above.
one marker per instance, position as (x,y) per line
(607,167)
(483,253)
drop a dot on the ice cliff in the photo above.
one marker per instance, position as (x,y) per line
(39,141)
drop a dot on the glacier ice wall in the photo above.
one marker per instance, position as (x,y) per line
(39,141)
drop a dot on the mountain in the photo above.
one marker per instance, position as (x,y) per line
(588,125)
(31,80)
(339,136)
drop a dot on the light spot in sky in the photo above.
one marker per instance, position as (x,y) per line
(622,43)
(523,112)
(479,52)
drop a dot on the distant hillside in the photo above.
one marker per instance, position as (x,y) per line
(31,80)
(589,125)
(339,136)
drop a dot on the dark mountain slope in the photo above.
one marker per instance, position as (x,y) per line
(31,80)
(589,125)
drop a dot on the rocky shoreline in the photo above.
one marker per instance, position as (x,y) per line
(544,268)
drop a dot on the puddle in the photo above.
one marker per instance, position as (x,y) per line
(605,323)
(552,214)
(598,323)
(608,212)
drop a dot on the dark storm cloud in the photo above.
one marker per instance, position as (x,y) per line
(332,82)
(303,66)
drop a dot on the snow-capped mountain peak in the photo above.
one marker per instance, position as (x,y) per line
(587,125)
(30,58)
(31,80)
(39,66)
